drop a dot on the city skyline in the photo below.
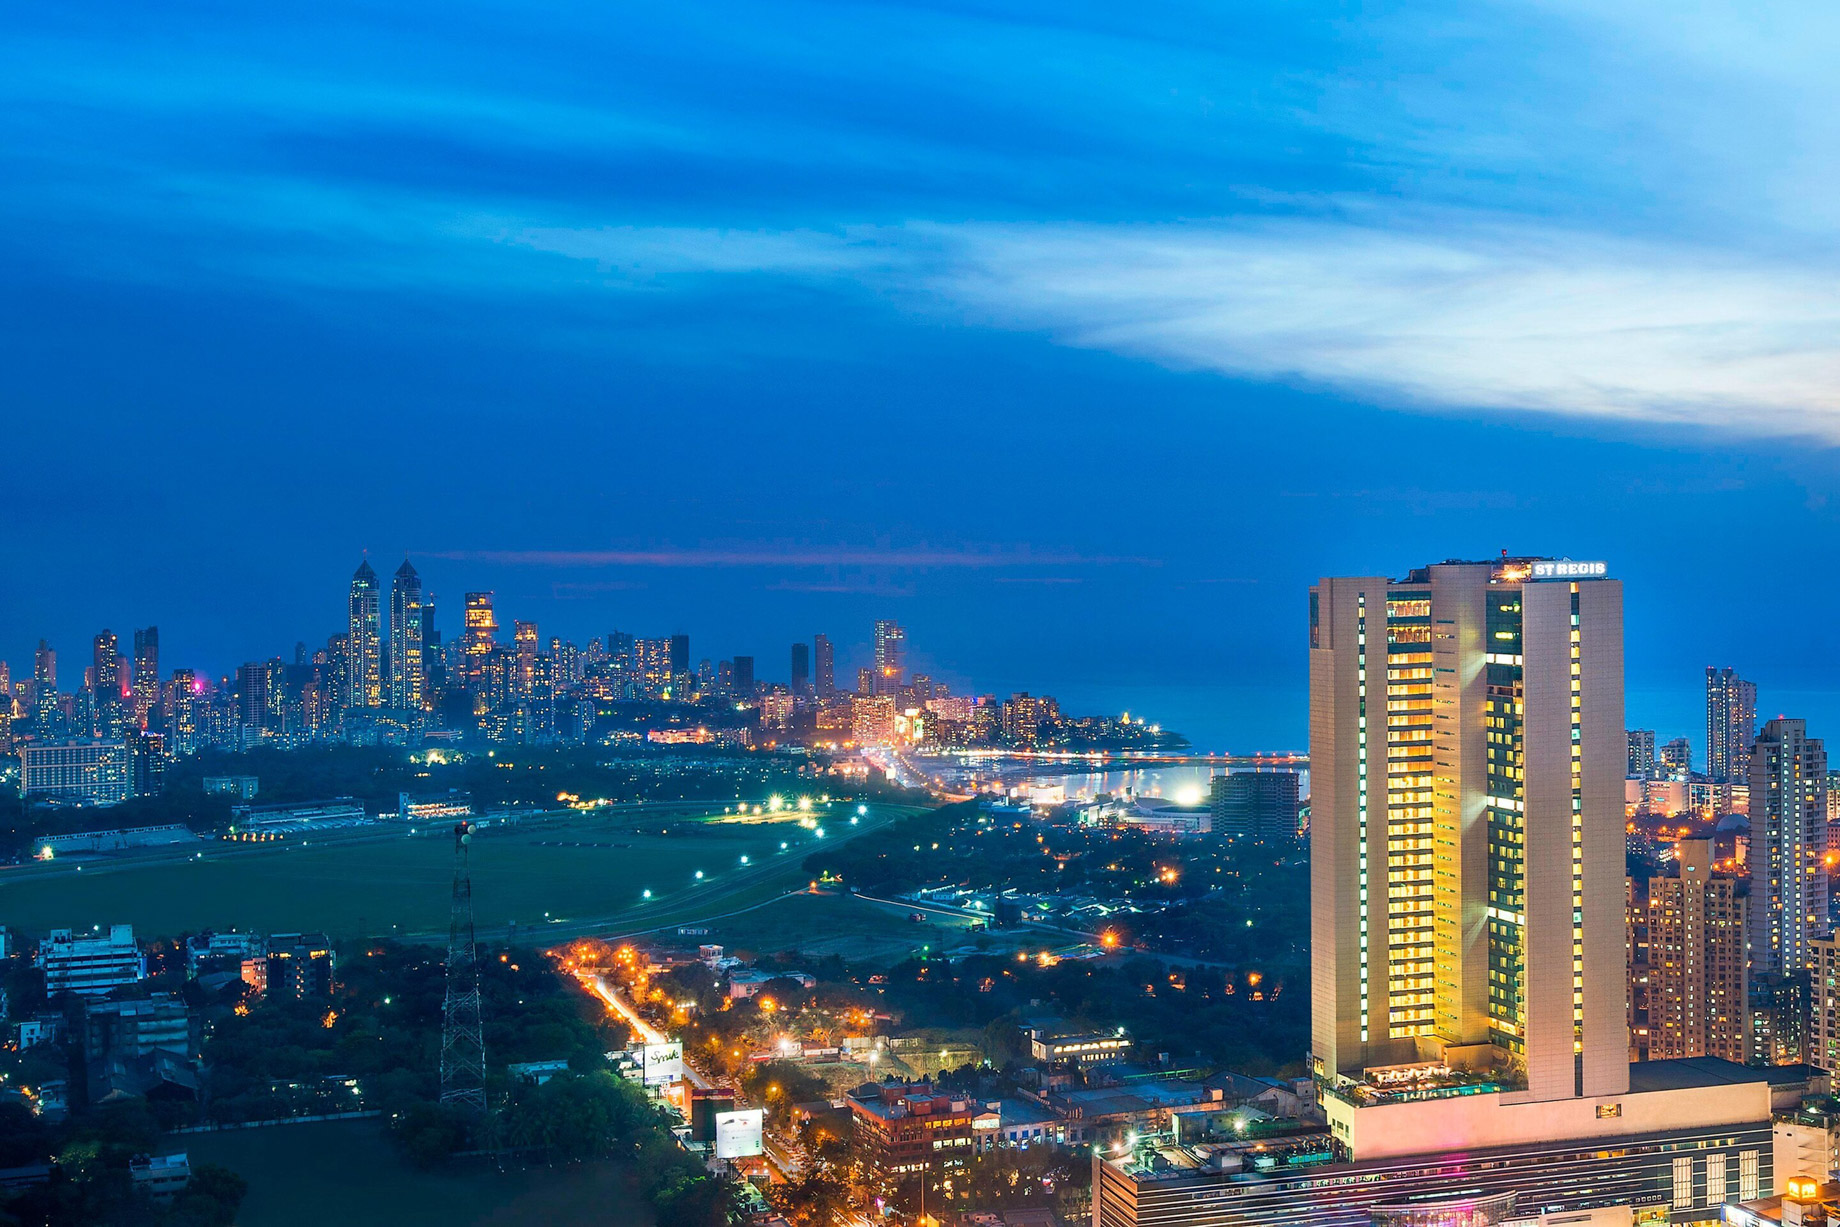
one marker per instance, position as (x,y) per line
(1674,704)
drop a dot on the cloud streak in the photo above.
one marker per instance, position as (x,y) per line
(918,559)
(1464,315)
(1460,311)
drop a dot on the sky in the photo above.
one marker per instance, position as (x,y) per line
(1080,338)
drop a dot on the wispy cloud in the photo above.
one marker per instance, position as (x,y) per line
(1457,311)
(791,557)
(1470,314)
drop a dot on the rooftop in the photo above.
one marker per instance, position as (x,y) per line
(1708,1071)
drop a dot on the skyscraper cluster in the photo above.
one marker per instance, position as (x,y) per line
(387,675)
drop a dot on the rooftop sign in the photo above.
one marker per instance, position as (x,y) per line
(1564,568)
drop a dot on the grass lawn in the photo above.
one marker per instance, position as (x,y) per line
(839,924)
(346,1172)
(576,872)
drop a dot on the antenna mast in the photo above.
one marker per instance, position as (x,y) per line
(463,1045)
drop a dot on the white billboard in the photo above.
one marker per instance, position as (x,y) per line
(738,1134)
(661,1063)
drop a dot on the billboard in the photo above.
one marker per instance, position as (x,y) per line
(738,1133)
(661,1063)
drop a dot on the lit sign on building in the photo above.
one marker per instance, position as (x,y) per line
(1567,569)
(738,1134)
(661,1063)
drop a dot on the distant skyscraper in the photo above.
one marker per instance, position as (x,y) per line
(44,690)
(680,657)
(408,671)
(1641,754)
(260,705)
(1788,903)
(652,667)
(105,686)
(1466,824)
(1731,725)
(890,656)
(801,669)
(44,667)
(1692,985)
(477,640)
(824,657)
(524,640)
(434,654)
(1677,757)
(743,677)
(184,726)
(364,640)
(146,673)
(338,668)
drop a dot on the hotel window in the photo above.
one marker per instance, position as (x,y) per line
(1715,1179)
(1747,1175)
(1683,1183)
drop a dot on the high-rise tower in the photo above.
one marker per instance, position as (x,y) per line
(146,683)
(364,646)
(1788,903)
(105,686)
(477,639)
(524,676)
(801,669)
(890,656)
(1694,973)
(407,671)
(1731,725)
(824,661)
(1467,758)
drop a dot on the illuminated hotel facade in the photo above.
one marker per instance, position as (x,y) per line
(1470,1031)
(1467,758)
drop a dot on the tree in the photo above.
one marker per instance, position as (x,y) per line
(819,1198)
(209,1199)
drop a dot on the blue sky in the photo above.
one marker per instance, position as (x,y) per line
(1078,337)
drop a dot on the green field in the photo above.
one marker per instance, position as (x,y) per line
(345,1172)
(852,928)
(585,874)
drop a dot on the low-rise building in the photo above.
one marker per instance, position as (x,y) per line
(748,983)
(1686,1138)
(49,847)
(1055,1044)
(300,966)
(88,772)
(449,805)
(161,1177)
(90,965)
(161,1023)
(901,1129)
(242,787)
(259,822)
(228,944)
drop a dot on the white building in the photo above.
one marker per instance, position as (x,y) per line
(90,966)
(75,772)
